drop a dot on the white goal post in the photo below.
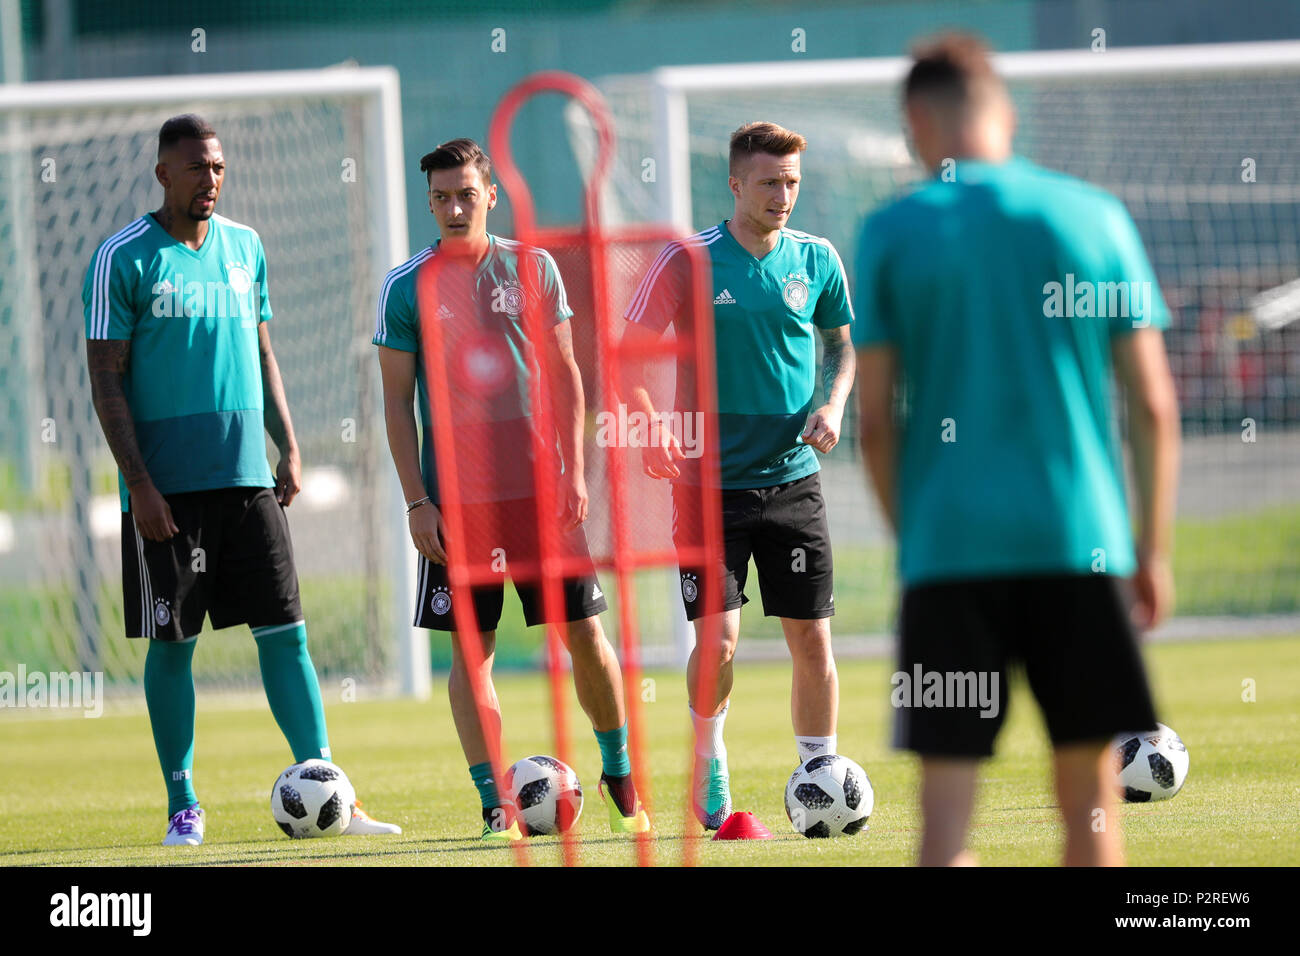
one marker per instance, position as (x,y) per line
(670,88)
(315,164)
(1199,141)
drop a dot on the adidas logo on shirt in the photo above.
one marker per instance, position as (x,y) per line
(445,313)
(724,298)
(596,592)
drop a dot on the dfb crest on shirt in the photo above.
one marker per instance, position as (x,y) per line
(508,297)
(238,277)
(795,293)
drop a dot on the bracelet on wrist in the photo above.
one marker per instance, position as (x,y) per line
(412,505)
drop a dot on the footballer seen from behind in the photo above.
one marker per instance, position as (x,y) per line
(776,292)
(186,388)
(1003,481)
(483,283)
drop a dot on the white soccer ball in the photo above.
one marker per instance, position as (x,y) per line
(546,793)
(828,795)
(313,799)
(1150,765)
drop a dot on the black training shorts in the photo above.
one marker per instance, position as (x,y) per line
(497,533)
(1071,634)
(784,528)
(232,560)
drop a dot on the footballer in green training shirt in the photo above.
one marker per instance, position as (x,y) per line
(775,292)
(186,387)
(482,284)
(1004,481)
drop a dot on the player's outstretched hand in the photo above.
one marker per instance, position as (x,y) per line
(428,532)
(823,428)
(572,501)
(288,479)
(153,516)
(658,457)
(1153,588)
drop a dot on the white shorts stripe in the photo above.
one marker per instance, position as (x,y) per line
(146,598)
(422,588)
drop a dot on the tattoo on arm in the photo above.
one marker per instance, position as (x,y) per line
(108,361)
(838,365)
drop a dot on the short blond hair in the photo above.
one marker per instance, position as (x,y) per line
(754,138)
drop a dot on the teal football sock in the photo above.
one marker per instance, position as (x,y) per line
(481,774)
(613,752)
(169,695)
(292,689)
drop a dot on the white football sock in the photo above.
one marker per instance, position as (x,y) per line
(809,747)
(708,734)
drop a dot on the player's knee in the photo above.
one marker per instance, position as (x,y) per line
(584,637)
(815,655)
(727,648)
(487,646)
(810,642)
(724,634)
(725,651)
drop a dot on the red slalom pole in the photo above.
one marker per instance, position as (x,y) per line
(461,576)
(708,630)
(604,250)
(593,237)
(550,568)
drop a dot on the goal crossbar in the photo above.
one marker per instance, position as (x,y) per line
(1126,61)
(669,87)
(144,90)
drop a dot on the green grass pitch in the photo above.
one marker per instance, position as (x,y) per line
(90,793)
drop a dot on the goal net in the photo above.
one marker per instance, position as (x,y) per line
(1201,145)
(314,165)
